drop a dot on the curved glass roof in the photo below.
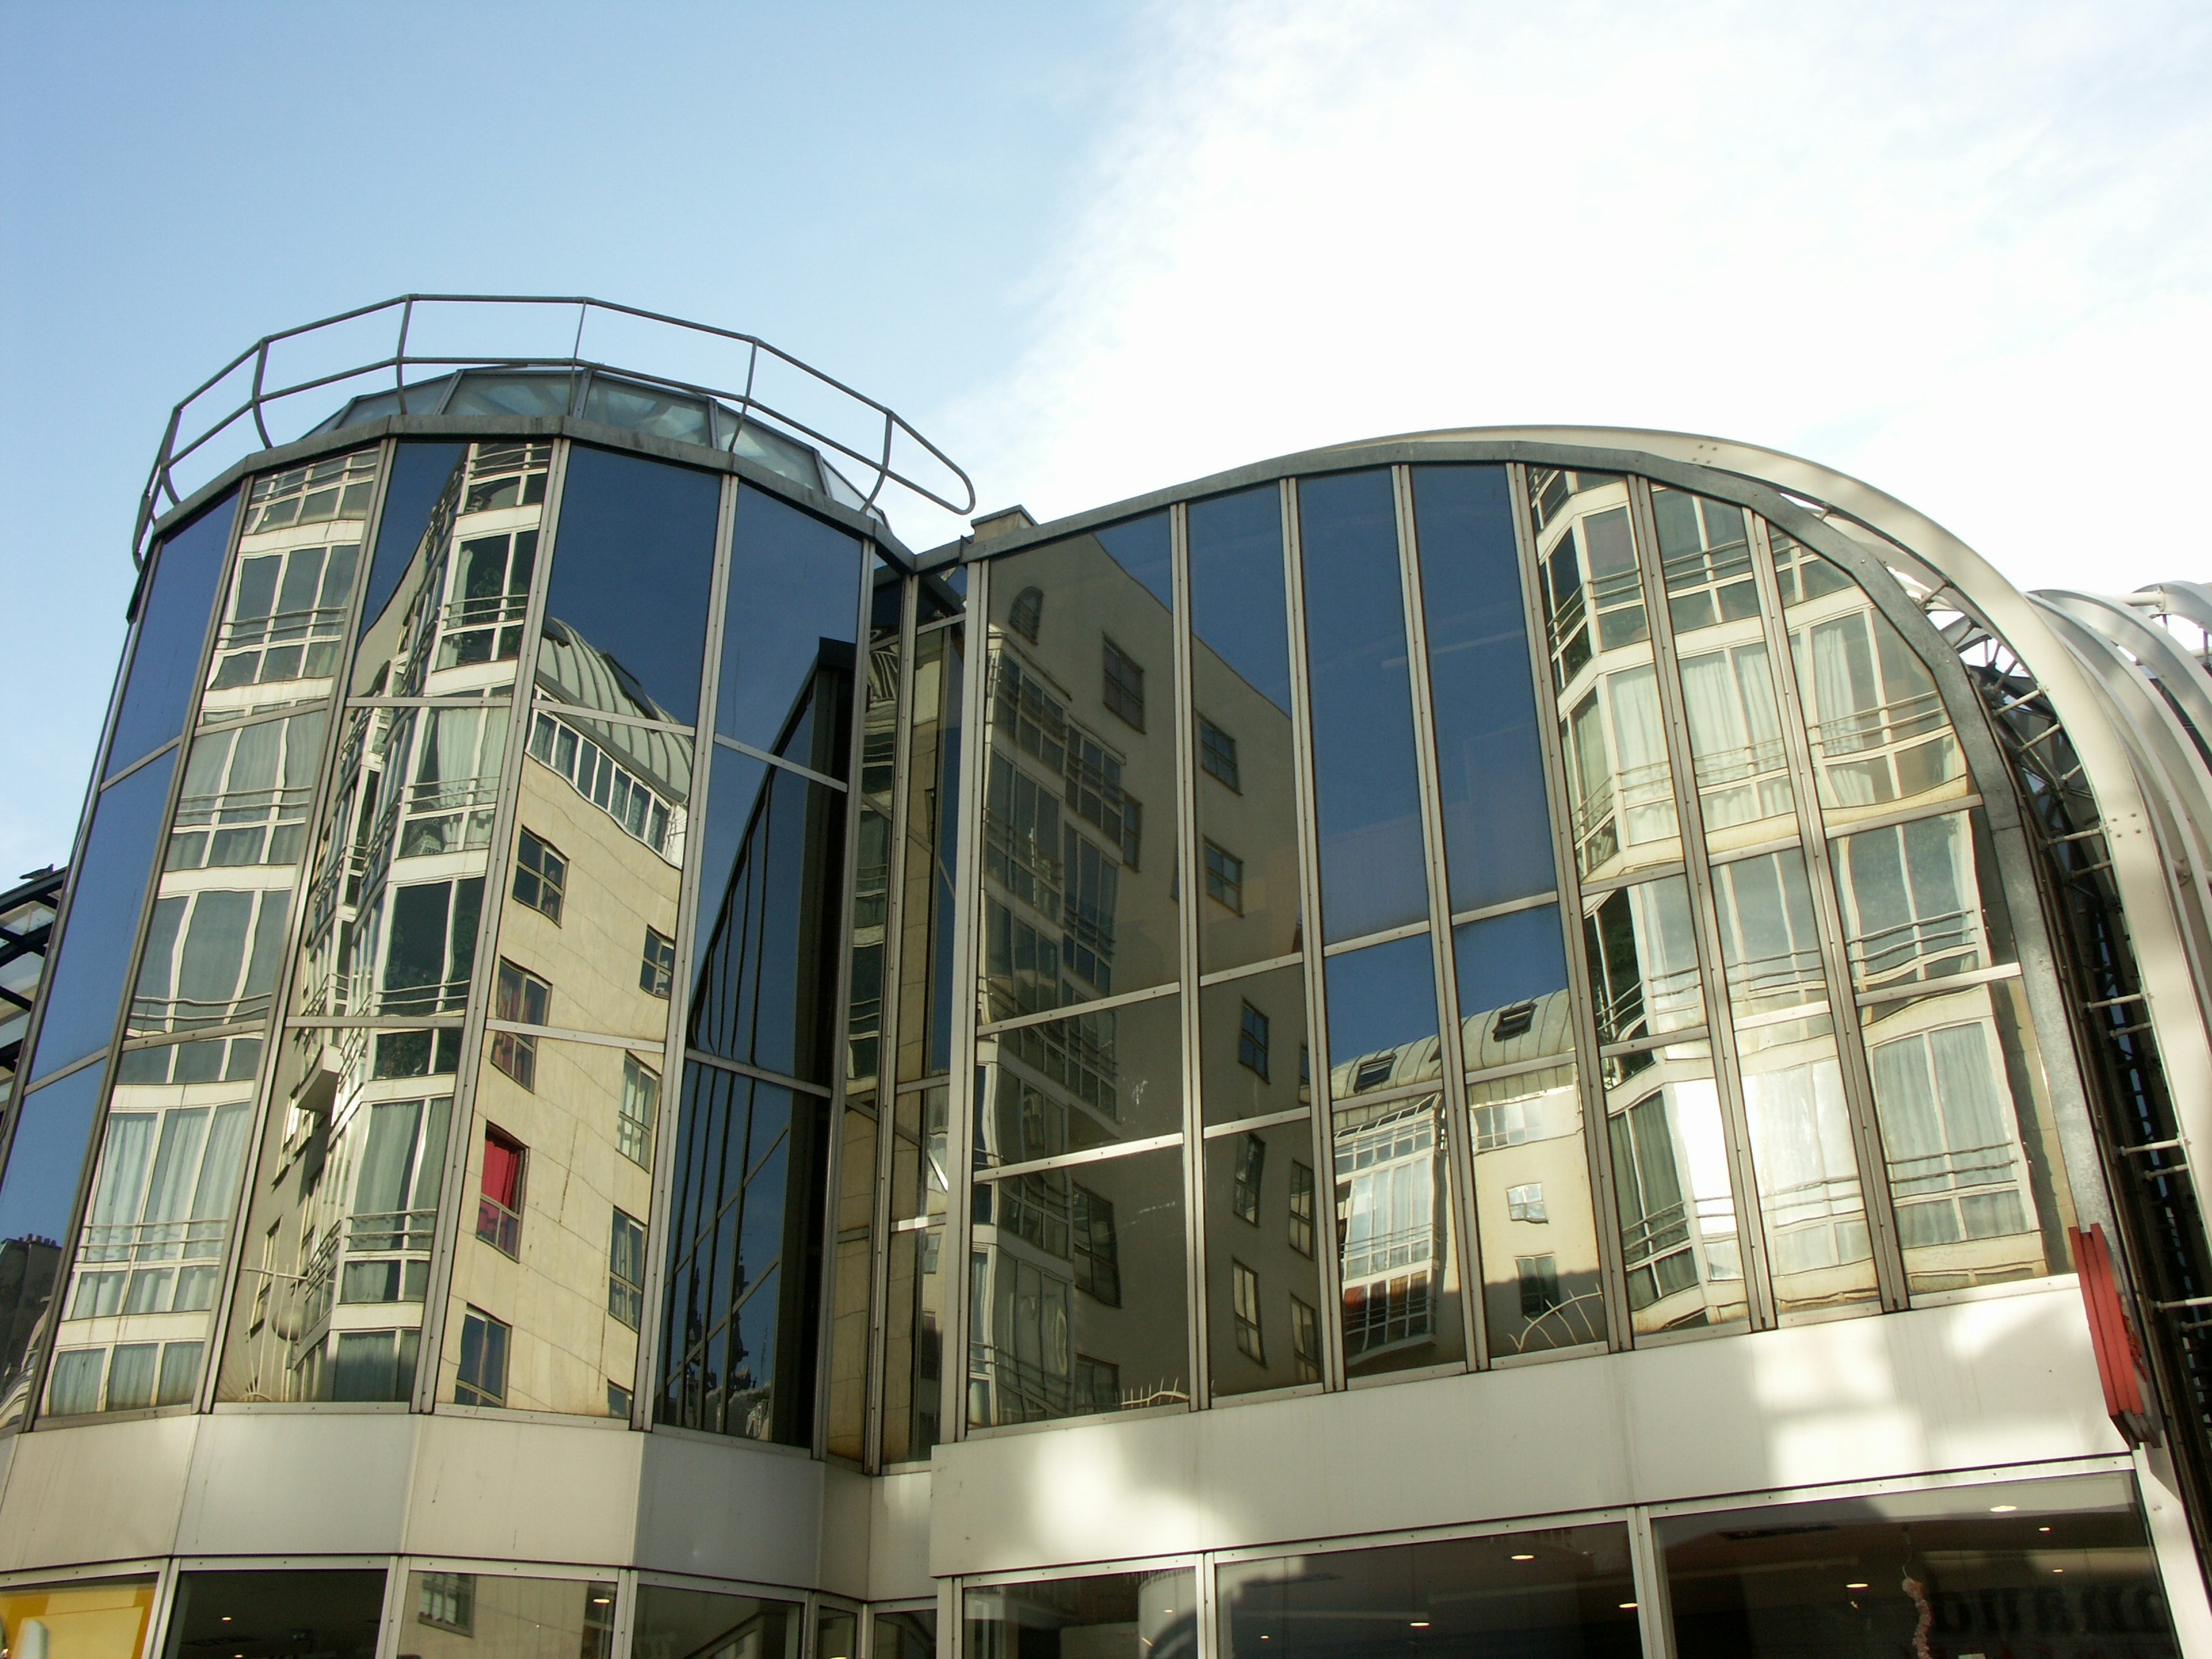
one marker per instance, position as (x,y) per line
(594,395)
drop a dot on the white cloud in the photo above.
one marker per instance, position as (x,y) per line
(1963,251)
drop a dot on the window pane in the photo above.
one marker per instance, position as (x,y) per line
(1087,1312)
(446,1615)
(1382,1017)
(1079,903)
(172,624)
(1396,1261)
(1912,901)
(914,1344)
(770,906)
(630,570)
(1254,1050)
(1498,838)
(1620,782)
(1512,975)
(1068,1085)
(678,1624)
(1674,1204)
(927,989)
(546,1171)
(793,608)
(91,962)
(1263,1285)
(1876,1574)
(911,1634)
(1642,960)
(422,472)
(84,1618)
(1975,1169)
(1368,803)
(1122,1615)
(1537,1224)
(341,1607)
(1241,686)
(1566,1590)
(740,1302)
(52,1128)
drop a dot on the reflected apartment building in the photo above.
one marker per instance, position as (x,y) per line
(1549,1041)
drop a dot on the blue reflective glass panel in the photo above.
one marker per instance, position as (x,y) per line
(53,1126)
(793,609)
(1512,972)
(1367,798)
(767,979)
(1381,1016)
(1236,588)
(86,976)
(633,553)
(420,473)
(1497,831)
(172,623)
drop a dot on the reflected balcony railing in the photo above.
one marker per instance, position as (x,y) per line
(1923,948)
(289,645)
(245,404)
(1367,1256)
(152,1015)
(234,831)
(1880,725)
(153,1241)
(477,630)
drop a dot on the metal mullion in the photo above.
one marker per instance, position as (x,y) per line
(1654,1620)
(39,1350)
(264,1085)
(1194,1115)
(961,1105)
(1827,910)
(1691,824)
(1590,1074)
(841,1037)
(1474,1333)
(1331,1284)
(1207,1607)
(461,1128)
(887,1033)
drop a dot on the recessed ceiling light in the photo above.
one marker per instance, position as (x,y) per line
(1524,1558)
(2003,1509)
(2058,1568)
(1626,1606)
(2043,1529)
(1418,1624)
(1855,1586)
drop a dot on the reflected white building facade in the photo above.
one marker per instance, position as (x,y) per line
(1551,1041)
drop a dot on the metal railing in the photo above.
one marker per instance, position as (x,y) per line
(220,417)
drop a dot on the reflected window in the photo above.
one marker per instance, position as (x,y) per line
(1643,958)
(483,1377)
(1912,910)
(1217,753)
(1704,556)
(1302,1208)
(286,619)
(446,1615)
(1246,1306)
(209,959)
(693,1624)
(232,1612)
(1252,1041)
(540,875)
(244,800)
(488,596)
(1224,877)
(1124,691)
(1123,1616)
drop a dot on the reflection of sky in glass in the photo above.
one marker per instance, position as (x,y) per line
(47,1156)
(1497,832)
(1237,586)
(419,472)
(793,584)
(1509,958)
(632,557)
(1382,997)
(172,625)
(87,969)
(1371,875)
(1140,547)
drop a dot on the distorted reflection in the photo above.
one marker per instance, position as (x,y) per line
(450,1615)
(693,1624)
(1620,782)
(1672,1190)
(1246,790)
(1075,906)
(172,613)
(1076,1291)
(1263,1285)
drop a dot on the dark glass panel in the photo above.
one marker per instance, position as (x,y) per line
(1079,903)
(913,1341)
(1382,1017)
(927,990)
(2057,1567)
(1247,791)
(769,915)
(173,606)
(1255,1049)
(330,1614)
(46,1157)
(1087,1312)
(86,980)
(744,1259)
(1498,842)
(684,1623)
(634,555)
(446,1615)
(793,608)
(1263,1282)
(908,1635)
(1562,1593)
(1087,1080)
(1366,795)
(1120,1615)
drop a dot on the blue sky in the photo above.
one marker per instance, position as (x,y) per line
(1095,249)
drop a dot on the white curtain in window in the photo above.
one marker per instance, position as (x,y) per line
(176,1165)
(122,1178)
(388,1157)
(1640,748)
(220,1163)
(1801,1141)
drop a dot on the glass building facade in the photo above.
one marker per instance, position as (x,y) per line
(632,1065)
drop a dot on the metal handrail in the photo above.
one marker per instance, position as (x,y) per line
(161,483)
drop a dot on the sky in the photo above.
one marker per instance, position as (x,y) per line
(1963,251)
